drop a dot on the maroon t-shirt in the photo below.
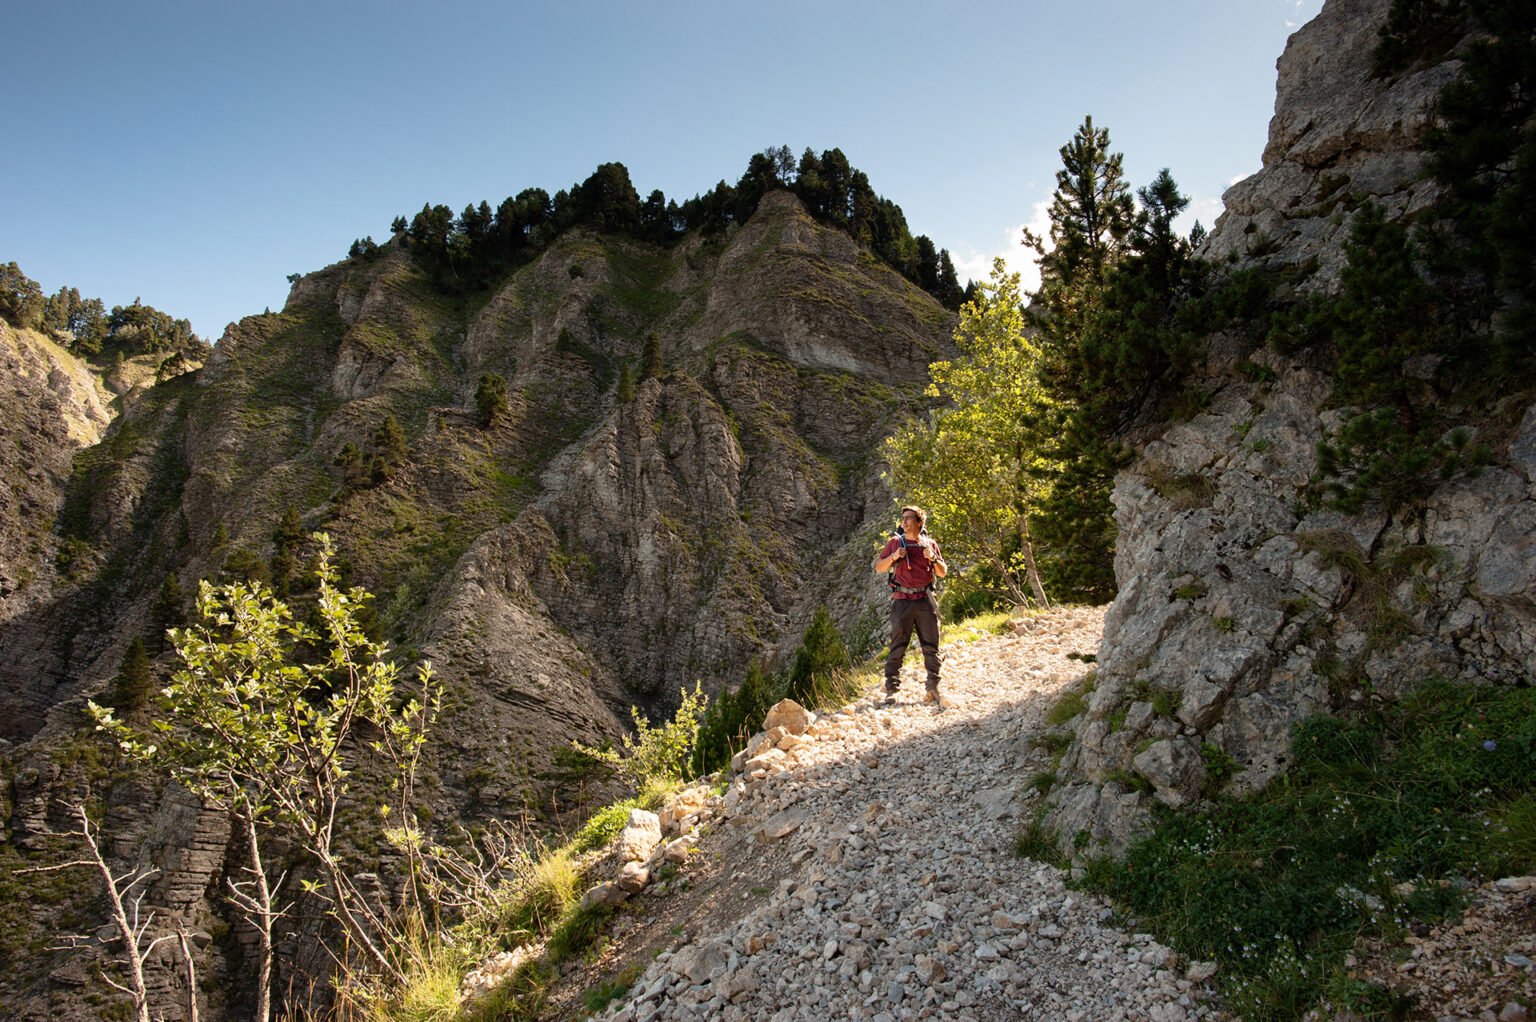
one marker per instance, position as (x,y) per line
(914,571)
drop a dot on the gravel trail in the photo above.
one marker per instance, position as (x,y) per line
(908,901)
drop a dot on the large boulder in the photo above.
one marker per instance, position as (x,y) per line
(640,836)
(790,715)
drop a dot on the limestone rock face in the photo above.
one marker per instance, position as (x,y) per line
(1240,612)
(52,406)
(1340,136)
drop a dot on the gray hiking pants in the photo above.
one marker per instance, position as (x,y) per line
(906,615)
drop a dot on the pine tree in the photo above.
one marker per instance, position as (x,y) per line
(1483,149)
(389,449)
(927,265)
(1091,213)
(21,297)
(286,539)
(57,310)
(950,294)
(1395,443)
(167,611)
(821,652)
(350,460)
(135,680)
(1103,315)
(491,406)
(653,362)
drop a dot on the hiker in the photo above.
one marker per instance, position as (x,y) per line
(914,561)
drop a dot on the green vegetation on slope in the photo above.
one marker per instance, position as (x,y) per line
(465,253)
(87,328)
(1381,818)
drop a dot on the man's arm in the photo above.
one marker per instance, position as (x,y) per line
(936,560)
(884,563)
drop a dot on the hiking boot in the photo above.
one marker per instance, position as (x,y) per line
(932,698)
(890,698)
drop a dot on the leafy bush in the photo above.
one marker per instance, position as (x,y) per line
(656,753)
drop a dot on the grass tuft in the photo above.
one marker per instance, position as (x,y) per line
(1071,704)
(598,997)
(547,894)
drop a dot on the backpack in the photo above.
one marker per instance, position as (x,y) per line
(890,578)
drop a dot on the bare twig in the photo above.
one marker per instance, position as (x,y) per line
(130,927)
(191,967)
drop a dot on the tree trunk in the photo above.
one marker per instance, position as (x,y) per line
(1014,592)
(261,918)
(191,967)
(349,902)
(127,930)
(1033,572)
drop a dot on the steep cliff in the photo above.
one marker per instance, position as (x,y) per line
(52,405)
(682,473)
(1245,604)
(55,408)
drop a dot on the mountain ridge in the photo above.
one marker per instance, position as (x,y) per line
(589,547)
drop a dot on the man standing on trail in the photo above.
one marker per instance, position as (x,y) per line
(915,562)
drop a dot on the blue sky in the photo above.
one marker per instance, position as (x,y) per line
(195,153)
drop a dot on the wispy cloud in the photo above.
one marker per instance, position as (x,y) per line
(1205,210)
(973,263)
(1302,11)
(976,264)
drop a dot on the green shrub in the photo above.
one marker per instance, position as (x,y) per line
(598,997)
(1274,886)
(603,826)
(657,753)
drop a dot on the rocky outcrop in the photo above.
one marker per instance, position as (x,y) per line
(1341,135)
(52,405)
(1241,610)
